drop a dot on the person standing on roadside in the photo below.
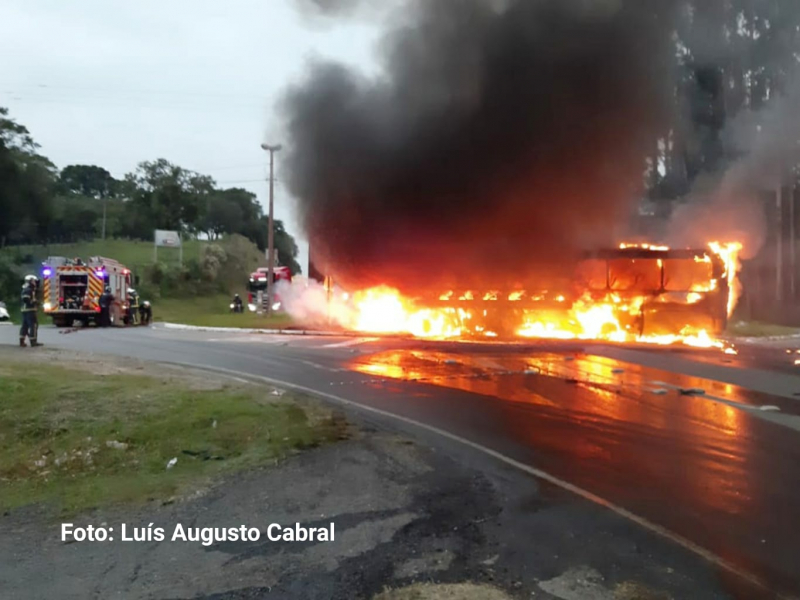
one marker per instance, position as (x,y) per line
(105,302)
(30,309)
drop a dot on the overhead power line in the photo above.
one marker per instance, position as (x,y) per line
(127,91)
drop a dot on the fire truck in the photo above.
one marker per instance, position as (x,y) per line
(72,289)
(258,283)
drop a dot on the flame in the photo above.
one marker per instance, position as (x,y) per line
(729,253)
(610,316)
(625,246)
(385,310)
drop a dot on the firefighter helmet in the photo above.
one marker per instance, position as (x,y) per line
(108,289)
(31,280)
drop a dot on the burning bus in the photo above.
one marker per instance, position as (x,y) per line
(633,293)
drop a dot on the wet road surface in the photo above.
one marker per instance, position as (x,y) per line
(703,444)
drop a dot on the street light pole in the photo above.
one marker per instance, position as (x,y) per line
(271,233)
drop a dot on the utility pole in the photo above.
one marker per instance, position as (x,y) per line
(792,244)
(105,204)
(271,233)
(779,246)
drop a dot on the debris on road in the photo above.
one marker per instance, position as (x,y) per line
(691,391)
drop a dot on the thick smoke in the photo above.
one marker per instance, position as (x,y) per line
(730,207)
(502,137)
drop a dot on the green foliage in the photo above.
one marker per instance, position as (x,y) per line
(10,282)
(219,268)
(87,180)
(166,196)
(213,258)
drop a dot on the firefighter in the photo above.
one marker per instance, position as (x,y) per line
(145,313)
(133,307)
(106,300)
(30,307)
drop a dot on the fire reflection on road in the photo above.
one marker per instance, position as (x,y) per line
(612,427)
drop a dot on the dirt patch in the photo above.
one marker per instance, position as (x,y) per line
(427,591)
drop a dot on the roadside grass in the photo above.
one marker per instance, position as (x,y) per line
(74,441)
(214,311)
(759,329)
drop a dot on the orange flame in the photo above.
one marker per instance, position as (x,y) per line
(610,318)
(729,253)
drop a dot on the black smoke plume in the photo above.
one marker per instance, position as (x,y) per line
(501,137)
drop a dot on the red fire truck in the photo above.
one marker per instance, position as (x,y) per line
(72,289)
(258,283)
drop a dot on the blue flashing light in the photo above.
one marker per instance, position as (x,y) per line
(47,272)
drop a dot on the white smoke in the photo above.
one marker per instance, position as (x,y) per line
(310,304)
(731,208)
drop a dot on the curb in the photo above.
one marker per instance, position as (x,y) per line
(181,327)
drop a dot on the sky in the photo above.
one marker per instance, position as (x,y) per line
(193,81)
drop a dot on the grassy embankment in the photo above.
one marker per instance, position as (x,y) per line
(76,442)
(133,254)
(214,311)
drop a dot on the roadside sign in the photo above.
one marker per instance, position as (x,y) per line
(167,239)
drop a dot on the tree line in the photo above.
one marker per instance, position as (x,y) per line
(41,204)
(733,59)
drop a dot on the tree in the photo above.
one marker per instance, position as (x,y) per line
(284,242)
(26,184)
(87,180)
(166,196)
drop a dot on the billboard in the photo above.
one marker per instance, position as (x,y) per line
(169,239)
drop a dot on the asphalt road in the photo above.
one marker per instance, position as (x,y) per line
(701,444)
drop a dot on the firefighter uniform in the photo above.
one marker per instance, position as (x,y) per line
(105,301)
(133,307)
(146,313)
(30,320)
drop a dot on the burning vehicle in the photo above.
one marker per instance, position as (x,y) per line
(455,194)
(634,293)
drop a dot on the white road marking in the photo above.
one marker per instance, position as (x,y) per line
(538,473)
(322,367)
(353,342)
